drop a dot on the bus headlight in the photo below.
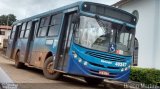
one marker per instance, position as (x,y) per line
(74,54)
(126,68)
(122,69)
(129,66)
(79,60)
(85,63)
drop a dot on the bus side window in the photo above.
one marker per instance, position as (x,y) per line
(12,36)
(55,24)
(43,26)
(22,30)
(13,32)
(28,29)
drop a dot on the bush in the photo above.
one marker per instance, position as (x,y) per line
(145,75)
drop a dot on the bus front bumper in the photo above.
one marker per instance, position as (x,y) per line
(80,68)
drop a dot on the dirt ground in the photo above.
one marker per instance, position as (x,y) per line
(31,78)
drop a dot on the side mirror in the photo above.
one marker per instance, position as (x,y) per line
(136,44)
(136,48)
(75,18)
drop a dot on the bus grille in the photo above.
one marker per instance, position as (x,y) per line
(106,56)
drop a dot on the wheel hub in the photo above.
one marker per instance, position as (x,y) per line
(50,68)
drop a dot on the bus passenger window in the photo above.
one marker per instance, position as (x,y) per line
(26,34)
(43,26)
(53,30)
(21,35)
(12,32)
(22,30)
(12,35)
(28,29)
(29,25)
(54,25)
(14,28)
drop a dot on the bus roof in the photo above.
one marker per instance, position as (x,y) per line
(79,3)
(50,12)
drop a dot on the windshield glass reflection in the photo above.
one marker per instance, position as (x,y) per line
(99,35)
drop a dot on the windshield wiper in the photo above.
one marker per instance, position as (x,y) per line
(123,28)
(101,24)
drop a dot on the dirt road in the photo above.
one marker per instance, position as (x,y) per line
(31,78)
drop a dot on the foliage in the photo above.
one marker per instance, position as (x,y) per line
(145,75)
(7,19)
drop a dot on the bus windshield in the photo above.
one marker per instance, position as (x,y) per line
(99,35)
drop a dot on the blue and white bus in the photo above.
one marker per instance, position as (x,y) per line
(87,39)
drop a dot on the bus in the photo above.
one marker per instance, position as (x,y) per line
(87,39)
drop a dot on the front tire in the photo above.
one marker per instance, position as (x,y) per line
(18,64)
(93,81)
(48,69)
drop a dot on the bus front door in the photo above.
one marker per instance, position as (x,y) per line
(64,42)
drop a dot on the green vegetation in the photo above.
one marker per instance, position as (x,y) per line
(7,19)
(145,75)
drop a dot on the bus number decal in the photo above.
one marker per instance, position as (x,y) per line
(120,64)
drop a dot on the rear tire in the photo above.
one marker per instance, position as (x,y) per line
(93,81)
(17,63)
(48,69)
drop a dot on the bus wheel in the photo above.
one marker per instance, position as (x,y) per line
(48,69)
(17,63)
(93,81)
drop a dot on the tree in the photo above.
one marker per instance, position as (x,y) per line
(7,19)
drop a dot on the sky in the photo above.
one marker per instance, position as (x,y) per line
(26,8)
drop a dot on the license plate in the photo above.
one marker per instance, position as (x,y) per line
(103,73)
